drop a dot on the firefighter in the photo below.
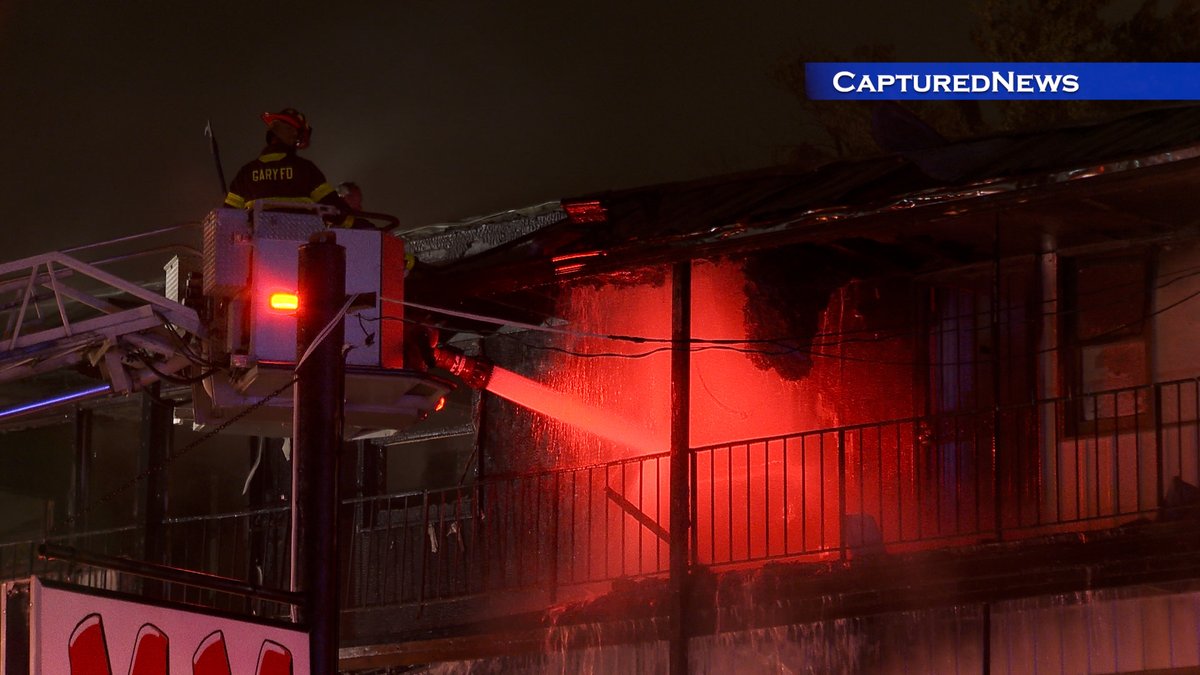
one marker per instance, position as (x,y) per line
(279,174)
(351,193)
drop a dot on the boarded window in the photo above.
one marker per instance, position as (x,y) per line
(1105,351)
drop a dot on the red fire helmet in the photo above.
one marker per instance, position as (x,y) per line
(293,118)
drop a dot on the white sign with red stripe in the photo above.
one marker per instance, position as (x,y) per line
(78,633)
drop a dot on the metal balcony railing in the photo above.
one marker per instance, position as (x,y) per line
(1063,465)
(249,545)
(20,559)
(537,531)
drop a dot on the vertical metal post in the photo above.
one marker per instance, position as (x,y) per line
(478,491)
(841,469)
(681,324)
(372,479)
(987,639)
(1048,382)
(997,390)
(694,511)
(157,418)
(258,497)
(1159,475)
(350,482)
(426,529)
(81,474)
(556,503)
(317,430)
(372,469)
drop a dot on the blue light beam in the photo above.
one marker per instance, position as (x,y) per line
(46,403)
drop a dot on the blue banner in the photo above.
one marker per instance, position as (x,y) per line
(1003,81)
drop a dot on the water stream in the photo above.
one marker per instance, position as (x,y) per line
(572,411)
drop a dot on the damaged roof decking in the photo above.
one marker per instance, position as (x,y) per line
(1136,177)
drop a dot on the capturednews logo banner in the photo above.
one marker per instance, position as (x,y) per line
(1003,81)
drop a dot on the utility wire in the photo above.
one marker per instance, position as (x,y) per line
(324,332)
(735,345)
(873,335)
(872,332)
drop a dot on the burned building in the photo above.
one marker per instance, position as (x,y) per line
(944,415)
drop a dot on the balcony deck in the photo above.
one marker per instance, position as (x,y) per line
(842,521)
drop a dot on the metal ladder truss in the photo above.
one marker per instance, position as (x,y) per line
(59,312)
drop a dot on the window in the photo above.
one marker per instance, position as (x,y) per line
(1105,329)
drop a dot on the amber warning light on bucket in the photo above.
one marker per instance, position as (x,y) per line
(284,302)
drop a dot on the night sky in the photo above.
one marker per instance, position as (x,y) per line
(439,110)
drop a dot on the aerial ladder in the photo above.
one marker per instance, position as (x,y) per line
(225,326)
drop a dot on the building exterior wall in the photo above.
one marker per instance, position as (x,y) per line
(1133,629)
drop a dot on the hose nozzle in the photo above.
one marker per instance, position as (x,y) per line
(473,370)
